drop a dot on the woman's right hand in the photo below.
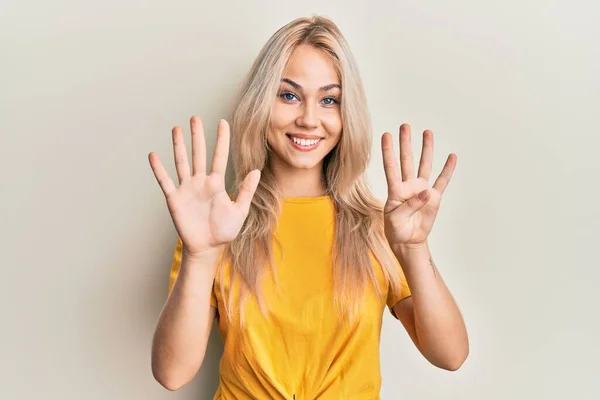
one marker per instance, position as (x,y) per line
(204,215)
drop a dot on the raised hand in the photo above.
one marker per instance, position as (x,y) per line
(412,205)
(204,215)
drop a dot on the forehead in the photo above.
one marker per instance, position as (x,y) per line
(311,67)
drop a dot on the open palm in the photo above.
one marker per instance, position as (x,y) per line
(204,215)
(412,205)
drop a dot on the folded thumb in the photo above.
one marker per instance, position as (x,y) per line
(417,202)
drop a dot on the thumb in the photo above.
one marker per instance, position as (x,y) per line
(247,190)
(417,202)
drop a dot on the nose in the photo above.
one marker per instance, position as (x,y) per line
(309,117)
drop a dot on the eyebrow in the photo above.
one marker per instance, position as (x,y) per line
(321,89)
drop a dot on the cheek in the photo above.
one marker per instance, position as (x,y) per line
(333,123)
(281,115)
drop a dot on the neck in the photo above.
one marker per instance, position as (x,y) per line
(297,182)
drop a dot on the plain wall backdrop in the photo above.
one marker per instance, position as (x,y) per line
(88,89)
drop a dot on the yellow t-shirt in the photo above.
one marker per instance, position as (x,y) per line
(302,351)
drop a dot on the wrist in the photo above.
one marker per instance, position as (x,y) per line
(411,247)
(412,251)
(208,254)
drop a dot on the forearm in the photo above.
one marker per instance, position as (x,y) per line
(185,323)
(439,326)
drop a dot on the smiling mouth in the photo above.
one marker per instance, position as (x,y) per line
(302,140)
(304,144)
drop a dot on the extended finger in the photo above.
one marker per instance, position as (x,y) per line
(221,154)
(426,155)
(180,154)
(198,146)
(247,190)
(390,163)
(161,175)
(406,156)
(444,178)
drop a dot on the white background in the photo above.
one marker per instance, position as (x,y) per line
(88,89)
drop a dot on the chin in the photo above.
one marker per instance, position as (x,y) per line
(304,164)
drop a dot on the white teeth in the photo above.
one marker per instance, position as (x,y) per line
(305,142)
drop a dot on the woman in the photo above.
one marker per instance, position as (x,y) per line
(301,265)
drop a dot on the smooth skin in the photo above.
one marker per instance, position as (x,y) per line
(430,316)
(307,104)
(183,328)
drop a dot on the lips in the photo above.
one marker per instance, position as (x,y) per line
(306,147)
(303,136)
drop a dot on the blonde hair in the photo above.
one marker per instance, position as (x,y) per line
(358,214)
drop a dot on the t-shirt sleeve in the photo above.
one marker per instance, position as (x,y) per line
(176,266)
(398,292)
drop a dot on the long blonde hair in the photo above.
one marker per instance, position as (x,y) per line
(358,214)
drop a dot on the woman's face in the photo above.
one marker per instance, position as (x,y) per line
(306,121)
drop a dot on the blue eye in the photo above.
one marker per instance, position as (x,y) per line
(329,101)
(288,96)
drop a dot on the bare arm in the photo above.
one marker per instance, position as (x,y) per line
(206,219)
(185,323)
(431,316)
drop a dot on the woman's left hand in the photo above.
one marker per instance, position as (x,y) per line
(412,205)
